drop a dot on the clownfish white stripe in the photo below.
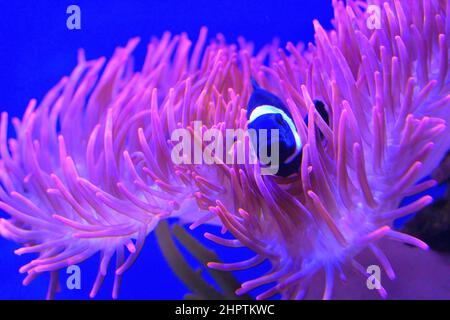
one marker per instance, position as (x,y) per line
(266,109)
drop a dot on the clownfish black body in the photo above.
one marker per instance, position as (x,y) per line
(267,111)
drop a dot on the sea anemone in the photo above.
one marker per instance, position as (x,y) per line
(387,91)
(91,168)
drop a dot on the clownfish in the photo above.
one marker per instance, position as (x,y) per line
(266,111)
